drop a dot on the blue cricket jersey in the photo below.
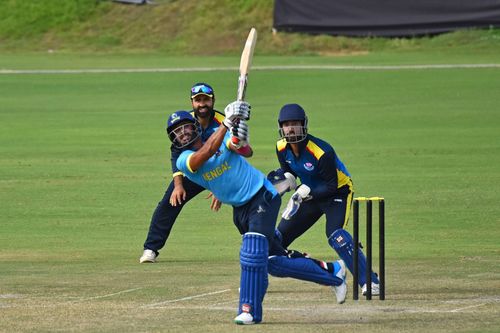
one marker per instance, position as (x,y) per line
(317,166)
(227,175)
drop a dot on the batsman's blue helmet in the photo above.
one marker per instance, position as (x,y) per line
(176,128)
(290,112)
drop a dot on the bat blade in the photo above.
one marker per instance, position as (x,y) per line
(245,63)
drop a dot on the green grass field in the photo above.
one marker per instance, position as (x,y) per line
(84,160)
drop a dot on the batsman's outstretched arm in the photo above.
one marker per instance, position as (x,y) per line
(234,112)
(210,147)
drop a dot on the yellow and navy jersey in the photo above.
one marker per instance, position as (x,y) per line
(317,166)
(205,134)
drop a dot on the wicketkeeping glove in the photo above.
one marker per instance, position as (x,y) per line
(282,181)
(293,205)
(236,110)
(239,130)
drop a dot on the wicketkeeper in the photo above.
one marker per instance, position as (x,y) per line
(326,189)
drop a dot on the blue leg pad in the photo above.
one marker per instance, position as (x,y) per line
(253,283)
(303,269)
(342,243)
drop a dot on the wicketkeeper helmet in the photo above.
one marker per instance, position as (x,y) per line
(290,112)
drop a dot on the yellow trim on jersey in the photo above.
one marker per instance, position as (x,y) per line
(343,179)
(281,144)
(187,163)
(315,149)
(178,173)
(348,208)
(219,117)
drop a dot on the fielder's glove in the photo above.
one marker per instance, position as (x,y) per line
(282,181)
(235,111)
(239,130)
(293,205)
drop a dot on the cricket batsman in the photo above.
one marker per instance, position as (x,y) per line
(217,166)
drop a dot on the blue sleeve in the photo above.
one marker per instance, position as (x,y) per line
(327,171)
(174,155)
(182,161)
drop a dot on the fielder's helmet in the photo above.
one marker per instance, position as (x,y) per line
(176,128)
(291,112)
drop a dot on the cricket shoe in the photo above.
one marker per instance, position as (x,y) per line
(375,289)
(244,318)
(341,290)
(148,256)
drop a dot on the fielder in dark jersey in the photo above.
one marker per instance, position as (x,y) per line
(326,188)
(180,189)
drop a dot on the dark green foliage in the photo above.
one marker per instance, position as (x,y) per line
(32,18)
(193,27)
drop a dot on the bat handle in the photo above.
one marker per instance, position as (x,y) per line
(242,87)
(234,139)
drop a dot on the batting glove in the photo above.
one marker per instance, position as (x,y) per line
(240,132)
(236,110)
(293,205)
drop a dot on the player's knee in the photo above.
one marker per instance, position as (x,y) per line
(274,267)
(254,250)
(340,238)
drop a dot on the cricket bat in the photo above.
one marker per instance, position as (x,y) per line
(245,63)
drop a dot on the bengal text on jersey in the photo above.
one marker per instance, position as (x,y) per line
(214,173)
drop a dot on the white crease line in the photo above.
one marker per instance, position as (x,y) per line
(487,299)
(211,69)
(223,308)
(115,70)
(185,298)
(486,274)
(343,309)
(468,307)
(447,311)
(104,296)
(379,67)
(9,296)
(318,308)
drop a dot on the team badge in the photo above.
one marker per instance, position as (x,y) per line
(308,166)
(175,117)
